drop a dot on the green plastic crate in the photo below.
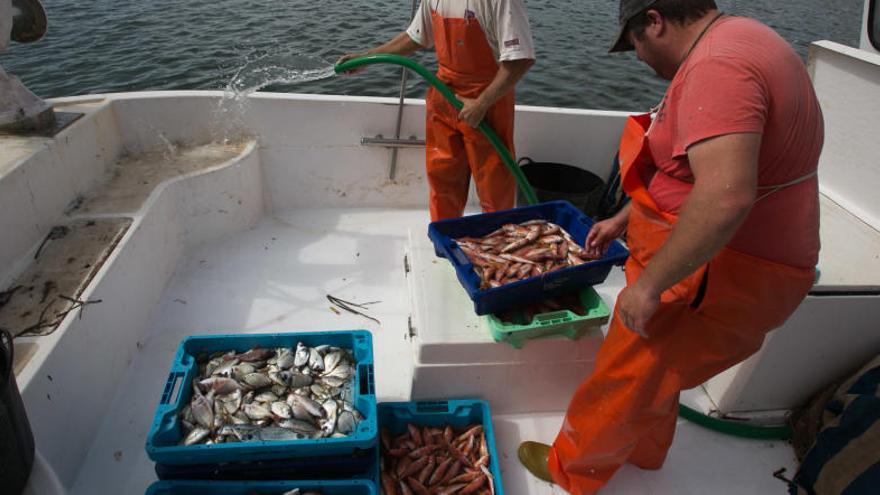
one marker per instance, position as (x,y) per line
(563,323)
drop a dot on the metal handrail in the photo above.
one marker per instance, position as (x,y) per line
(392,170)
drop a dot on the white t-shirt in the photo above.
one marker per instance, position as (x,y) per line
(504,22)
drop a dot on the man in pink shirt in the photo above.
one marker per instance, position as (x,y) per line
(722,229)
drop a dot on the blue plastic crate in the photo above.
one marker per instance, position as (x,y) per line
(486,301)
(165,433)
(457,413)
(191,487)
(361,464)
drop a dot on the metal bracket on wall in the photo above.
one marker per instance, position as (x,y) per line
(393,143)
(392,169)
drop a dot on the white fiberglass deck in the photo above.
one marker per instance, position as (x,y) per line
(274,277)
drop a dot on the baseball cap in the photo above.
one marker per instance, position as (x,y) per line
(628,10)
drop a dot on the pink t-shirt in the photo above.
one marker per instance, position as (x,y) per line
(742,77)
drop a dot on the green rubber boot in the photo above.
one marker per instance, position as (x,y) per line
(533,456)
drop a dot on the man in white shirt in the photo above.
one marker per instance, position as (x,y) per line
(483,48)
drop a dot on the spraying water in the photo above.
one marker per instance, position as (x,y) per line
(258,72)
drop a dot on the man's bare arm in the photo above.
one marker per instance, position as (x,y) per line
(401,44)
(509,73)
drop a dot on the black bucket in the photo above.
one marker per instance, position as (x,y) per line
(16,437)
(553,181)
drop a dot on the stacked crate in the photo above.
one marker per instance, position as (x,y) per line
(351,458)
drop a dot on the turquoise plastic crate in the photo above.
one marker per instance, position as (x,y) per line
(165,433)
(457,413)
(189,487)
(556,323)
(362,464)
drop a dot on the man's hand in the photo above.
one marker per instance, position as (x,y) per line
(510,71)
(348,57)
(473,111)
(602,234)
(635,307)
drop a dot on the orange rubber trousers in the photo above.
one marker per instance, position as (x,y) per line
(455,151)
(714,318)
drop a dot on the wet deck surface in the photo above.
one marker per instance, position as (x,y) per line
(51,285)
(133,178)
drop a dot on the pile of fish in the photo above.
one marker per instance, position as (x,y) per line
(271,394)
(514,252)
(436,461)
(524,315)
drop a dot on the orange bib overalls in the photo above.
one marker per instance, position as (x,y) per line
(714,318)
(454,150)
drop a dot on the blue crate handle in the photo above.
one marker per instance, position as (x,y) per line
(171,386)
(168,405)
(366,379)
(433,407)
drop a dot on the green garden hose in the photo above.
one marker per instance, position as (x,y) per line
(734,428)
(384,58)
(723,426)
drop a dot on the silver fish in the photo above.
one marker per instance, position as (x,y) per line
(257,434)
(277,433)
(299,380)
(257,380)
(346,423)
(202,409)
(299,426)
(302,355)
(225,368)
(334,381)
(195,436)
(220,385)
(328,425)
(319,390)
(241,370)
(285,358)
(266,396)
(240,418)
(219,410)
(256,354)
(316,361)
(331,360)
(343,371)
(186,414)
(298,411)
(277,378)
(281,410)
(313,407)
(257,411)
